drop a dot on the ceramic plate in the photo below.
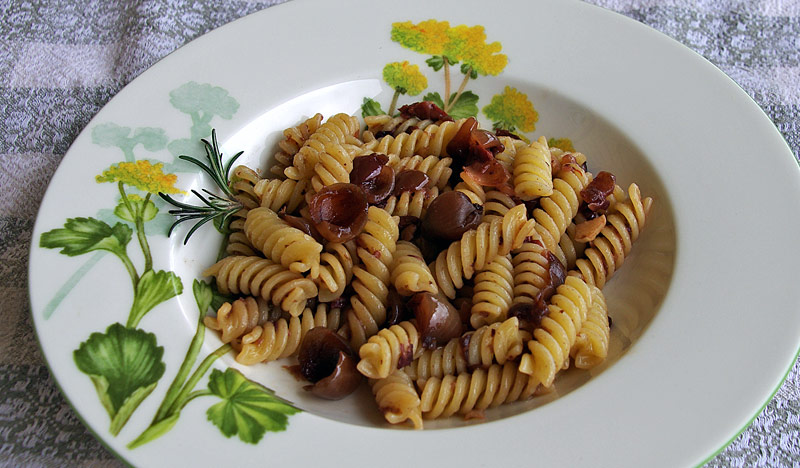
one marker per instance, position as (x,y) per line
(705,309)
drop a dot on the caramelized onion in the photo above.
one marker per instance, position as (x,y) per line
(450,215)
(458,148)
(327,361)
(425,110)
(483,145)
(595,195)
(374,176)
(339,212)
(437,321)
(489,173)
(301,224)
(410,181)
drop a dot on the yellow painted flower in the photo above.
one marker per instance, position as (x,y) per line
(468,45)
(512,110)
(427,37)
(564,144)
(405,78)
(142,175)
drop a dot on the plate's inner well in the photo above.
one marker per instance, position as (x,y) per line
(633,295)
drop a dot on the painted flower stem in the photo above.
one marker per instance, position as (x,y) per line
(394,102)
(183,372)
(201,370)
(446,77)
(139,225)
(461,89)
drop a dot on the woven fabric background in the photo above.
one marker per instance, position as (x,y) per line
(62,60)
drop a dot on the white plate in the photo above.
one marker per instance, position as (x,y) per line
(706,308)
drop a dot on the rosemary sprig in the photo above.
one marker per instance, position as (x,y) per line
(214,208)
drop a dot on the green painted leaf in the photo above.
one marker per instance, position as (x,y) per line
(203,100)
(467,69)
(110,134)
(434,98)
(153,139)
(154,287)
(248,409)
(124,365)
(371,107)
(129,406)
(436,62)
(203,295)
(141,207)
(466,106)
(83,235)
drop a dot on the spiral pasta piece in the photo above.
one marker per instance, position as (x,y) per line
(572,248)
(437,169)
(493,292)
(480,246)
(238,318)
(294,138)
(338,130)
(549,348)
(624,222)
(532,171)
(449,359)
(335,270)
(496,343)
(410,274)
(281,338)
(591,345)
(531,271)
(256,276)
(496,205)
(392,348)
(483,388)
(473,190)
(433,140)
(284,244)
(511,147)
(386,124)
(277,194)
(397,399)
(243,181)
(411,204)
(376,246)
(556,211)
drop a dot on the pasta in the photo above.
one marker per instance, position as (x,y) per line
(284,244)
(238,318)
(411,204)
(294,138)
(328,140)
(392,348)
(516,326)
(437,169)
(376,250)
(480,246)
(490,344)
(397,399)
(483,388)
(281,338)
(493,292)
(610,248)
(410,274)
(256,276)
(549,348)
(532,171)
(591,345)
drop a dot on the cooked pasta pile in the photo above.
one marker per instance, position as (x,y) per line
(521,243)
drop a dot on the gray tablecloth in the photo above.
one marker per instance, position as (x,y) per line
(62,60)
